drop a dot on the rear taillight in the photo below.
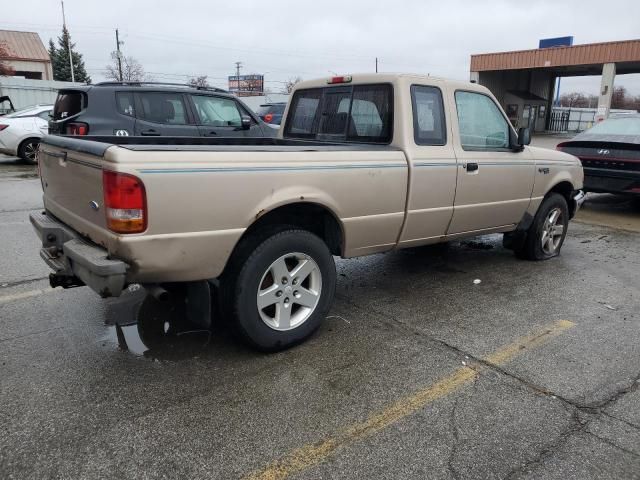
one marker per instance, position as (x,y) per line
(268,117)
(77,128)
(125,202)
(2,127)
(560,146)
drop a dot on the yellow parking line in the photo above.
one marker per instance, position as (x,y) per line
(21,295)
(313,454)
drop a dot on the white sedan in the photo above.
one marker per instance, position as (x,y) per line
(21,131)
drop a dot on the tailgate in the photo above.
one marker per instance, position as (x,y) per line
(71,175)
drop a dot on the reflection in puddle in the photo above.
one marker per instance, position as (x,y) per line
(161,332)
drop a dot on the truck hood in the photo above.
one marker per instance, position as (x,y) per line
(548,155)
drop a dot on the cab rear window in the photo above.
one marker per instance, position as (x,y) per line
(360,113)
(69,103)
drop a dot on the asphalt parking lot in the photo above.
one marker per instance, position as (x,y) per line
(418,372)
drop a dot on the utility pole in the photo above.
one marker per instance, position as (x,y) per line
(64,26)
(119,55)
(376,64)
(238,65)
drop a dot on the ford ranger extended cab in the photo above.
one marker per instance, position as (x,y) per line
(362,164)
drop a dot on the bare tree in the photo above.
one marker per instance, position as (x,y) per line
(201,81)
(5,69)
(619,98)
(573,99)
(288,87)
(132,70)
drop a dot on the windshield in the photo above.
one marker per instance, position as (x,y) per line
(616,126)
(25,112)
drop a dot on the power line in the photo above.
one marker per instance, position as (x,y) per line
(187,41)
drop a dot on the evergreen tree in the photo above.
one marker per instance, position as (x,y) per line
(60,60)
(53,55)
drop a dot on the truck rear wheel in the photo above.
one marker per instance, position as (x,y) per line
(281,292)
(547,232)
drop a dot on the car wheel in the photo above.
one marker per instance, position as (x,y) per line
(547,232)
(28,149)
(282,291)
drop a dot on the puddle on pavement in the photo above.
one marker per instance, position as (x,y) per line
(477,245)
(160,331)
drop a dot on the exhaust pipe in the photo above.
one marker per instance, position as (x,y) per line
(157,292)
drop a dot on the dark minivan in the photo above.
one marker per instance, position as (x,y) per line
(148,109)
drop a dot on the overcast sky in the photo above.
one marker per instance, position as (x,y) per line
(284,39)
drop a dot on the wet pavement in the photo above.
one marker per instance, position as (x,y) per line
(420,371)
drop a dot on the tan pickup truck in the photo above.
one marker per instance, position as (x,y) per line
(362,164)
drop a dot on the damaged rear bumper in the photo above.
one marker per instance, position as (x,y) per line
(75,261)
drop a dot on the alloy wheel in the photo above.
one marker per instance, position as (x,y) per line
(289,291)
(552,231)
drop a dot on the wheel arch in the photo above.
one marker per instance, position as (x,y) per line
(314,217)
(566,189)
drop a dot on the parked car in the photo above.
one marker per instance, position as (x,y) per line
(6,106)
(610,154)
(21,131)
(151,109)
(361,165)
(271,113)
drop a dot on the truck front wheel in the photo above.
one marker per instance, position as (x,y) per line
(280,294)
(546,234)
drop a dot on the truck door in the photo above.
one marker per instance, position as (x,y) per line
(433,169)
(494,182)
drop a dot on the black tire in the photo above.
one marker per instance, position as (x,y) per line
(532,247)
(27,150)
(240,285)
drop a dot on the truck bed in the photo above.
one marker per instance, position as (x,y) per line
(201,194)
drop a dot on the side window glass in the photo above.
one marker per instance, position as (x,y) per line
(217,111)
(125,103)
(428,116)
(45,115)
(482,125)
(165,108)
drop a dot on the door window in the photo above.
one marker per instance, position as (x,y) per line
(482,125)
(45,115)
(428,116)
(125,104)
(217,111)
(167,108)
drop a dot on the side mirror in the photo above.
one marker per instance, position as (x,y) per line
(246,122)
(524,136)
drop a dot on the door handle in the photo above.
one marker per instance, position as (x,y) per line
(149,132)
(471,167)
